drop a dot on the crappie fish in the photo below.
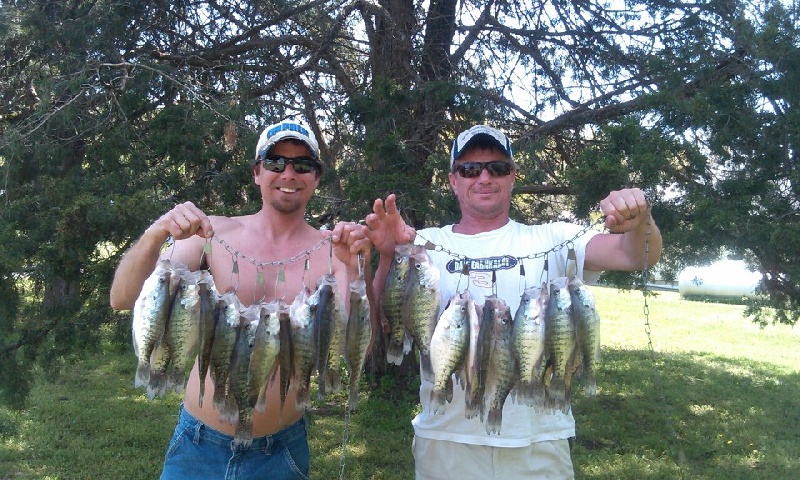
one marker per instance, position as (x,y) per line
(421,307)
(500,373)
(228,307)
(560,343)
(208,322)
(286,353)
(475,363)
(528,344)
(150,315)
(357,337)
(182,334)
(336,350)
(264,359)
(239,379)
(448,349)
(163,359)
(587,332)
(327,328)
(392,300)
(304,335)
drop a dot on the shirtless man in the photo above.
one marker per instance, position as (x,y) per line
(287,170)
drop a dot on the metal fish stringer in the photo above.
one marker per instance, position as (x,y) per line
(544,277)
(235,272)
(280,278)
(464,272)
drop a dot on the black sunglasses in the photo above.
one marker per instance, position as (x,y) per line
(496,168)
(277,164)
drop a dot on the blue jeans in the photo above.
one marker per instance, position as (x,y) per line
(199,452)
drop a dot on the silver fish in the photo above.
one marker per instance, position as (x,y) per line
(421,308)
(529,344)
(239,379)
(150,315)
(587,332)
(559,343)
(286,353)
(357,337)
(328,332)
(475,363)
(208,322)
(392,300)
(228,307)
(264,359)
(304,338)
(163,359)
(500,377)
(448,349)
(182,333)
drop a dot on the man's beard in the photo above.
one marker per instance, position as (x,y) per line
(287,206)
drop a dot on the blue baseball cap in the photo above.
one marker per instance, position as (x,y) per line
(479,133)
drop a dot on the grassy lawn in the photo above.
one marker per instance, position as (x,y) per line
(719,399)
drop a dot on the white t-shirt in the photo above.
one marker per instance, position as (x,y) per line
(499,251)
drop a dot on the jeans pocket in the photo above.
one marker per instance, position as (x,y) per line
(177,438)
(298,457)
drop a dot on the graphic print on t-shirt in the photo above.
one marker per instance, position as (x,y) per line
(480,269)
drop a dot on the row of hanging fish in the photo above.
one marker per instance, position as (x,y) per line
(530,355)
(179,316)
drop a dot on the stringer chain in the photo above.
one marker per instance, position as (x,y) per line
(260,263)
(438,248)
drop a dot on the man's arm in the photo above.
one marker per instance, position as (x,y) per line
(183,222)
(628,218)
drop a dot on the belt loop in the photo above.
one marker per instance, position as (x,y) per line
(268,441)
(197,428)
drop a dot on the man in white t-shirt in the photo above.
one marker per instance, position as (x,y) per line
(530,444)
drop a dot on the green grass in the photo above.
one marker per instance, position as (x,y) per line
(718,399)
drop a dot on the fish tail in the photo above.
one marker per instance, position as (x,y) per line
(525,392)
(590,385)
(303,396)
(471,407)
(394,353)
(157,386)
(448,389)
(557,390)
(438,401)
(219,397)
(494,419)
(352,400)
(427,367)
(142,375)
(244,433)
(334,381)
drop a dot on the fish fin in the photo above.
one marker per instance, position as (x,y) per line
(142,375)
(352,400)
(493,420)
(557,390)
(427,367)
(448,389)
(394,353)
(244,434)
(406,344)
(590,385)
(438,401)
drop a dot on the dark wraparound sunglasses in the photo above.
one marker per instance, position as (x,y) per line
(277,164)
(496,168)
